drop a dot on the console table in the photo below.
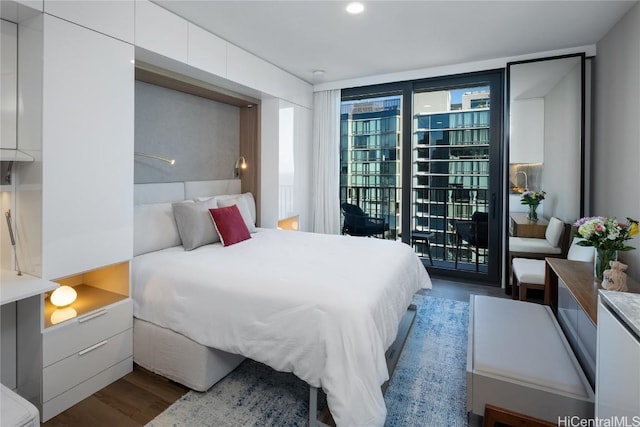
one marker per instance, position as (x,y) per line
(573,298)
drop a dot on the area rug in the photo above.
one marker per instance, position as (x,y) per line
(428,387)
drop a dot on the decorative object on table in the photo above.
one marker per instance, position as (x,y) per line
(607,236)
(614,278)
(532,199)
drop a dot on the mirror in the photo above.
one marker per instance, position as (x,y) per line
(546,134)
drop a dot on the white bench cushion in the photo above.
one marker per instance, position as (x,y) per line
(529,270)
(522,341)
(533,245)
(16,410)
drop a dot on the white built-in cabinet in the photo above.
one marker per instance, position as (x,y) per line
(75,207)
(8,84)
(113,18)
(618,368)
(160,31)
(526,133)
(86,158)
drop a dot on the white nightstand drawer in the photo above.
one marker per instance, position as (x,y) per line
(85,364)
(75,335)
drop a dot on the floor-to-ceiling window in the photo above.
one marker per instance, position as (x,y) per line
(426,157)
(370,136)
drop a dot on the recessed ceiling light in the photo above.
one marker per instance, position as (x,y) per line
(318,73)
(355,8)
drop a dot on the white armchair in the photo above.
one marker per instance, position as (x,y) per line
(555,243)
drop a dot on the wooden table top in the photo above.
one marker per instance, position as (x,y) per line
(522,218)
(578,276)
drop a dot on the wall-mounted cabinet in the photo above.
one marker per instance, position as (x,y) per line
(527,131)
(113,18)
(8,84)
(160,31)
(80,186)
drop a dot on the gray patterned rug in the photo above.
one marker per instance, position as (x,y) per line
(428,387)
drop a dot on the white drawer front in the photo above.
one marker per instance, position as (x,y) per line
(83,390)
(78,334)
(85,364)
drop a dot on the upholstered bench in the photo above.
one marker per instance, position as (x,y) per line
(16,411)
(519,359)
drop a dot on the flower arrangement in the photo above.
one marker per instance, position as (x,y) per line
(533,199)
(607,236)
(605,232)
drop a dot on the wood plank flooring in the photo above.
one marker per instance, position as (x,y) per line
(140,396)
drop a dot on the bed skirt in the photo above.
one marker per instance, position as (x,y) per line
(179,358)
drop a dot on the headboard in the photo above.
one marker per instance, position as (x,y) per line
(154,225)
(175,191)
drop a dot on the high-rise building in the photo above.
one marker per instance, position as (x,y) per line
(370,175)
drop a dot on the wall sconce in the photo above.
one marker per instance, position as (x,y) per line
(151,156)
(241,163)
(63,296)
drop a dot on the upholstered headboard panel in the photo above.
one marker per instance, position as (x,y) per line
(154,224)
(175,191)
(194,189)
(144,194)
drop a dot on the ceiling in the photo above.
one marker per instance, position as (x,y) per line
(392,36)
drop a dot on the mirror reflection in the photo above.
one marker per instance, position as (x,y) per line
(545,135)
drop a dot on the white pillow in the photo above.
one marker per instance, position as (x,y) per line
(554,231)
(154,228)
(248,197)
(194,223)
(243,207)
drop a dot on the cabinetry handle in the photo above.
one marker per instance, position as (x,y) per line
(93,347)
(92,315)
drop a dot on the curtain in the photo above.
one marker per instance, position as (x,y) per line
(326,162)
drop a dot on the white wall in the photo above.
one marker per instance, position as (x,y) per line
(303,190)
(561,170)
(269,161)
(616,133)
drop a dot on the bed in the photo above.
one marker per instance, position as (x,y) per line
(322,307)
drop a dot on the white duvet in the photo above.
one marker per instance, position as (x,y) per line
(321,306)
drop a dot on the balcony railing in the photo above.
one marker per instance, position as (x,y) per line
(433,210)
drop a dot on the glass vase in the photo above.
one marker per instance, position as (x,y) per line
(533,213)
(601,262)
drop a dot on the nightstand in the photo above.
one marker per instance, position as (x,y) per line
(89,344)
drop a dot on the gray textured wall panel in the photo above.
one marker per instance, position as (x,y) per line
(200,134)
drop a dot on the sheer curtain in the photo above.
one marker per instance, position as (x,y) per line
(326,162)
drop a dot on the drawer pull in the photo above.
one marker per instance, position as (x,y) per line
(93,347)
(92,315)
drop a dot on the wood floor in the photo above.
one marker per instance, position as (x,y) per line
(140,396)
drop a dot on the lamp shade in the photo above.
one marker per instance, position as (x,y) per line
(63,296)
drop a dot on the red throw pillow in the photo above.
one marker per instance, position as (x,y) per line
(230,225)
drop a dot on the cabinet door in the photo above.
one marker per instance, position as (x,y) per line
(160,31)
(87,148)
(8,83)
(527,131)
(618,370)
(113,18)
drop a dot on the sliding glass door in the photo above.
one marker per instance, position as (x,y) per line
(370,161)
(426,157)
